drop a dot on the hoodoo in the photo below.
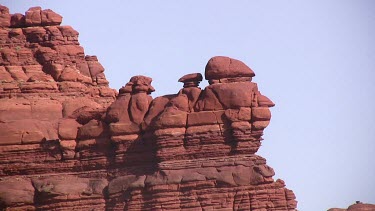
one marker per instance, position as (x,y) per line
(68,141)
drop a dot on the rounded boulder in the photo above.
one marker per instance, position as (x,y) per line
(219,67)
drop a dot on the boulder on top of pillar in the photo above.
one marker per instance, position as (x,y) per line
(222,69)
(191,80)
(230,85)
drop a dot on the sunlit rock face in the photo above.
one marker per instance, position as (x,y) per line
(68,141)
(358,206)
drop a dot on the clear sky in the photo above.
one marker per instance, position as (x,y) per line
(315,59)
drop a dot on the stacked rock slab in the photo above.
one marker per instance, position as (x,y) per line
(68,141)
(48,89)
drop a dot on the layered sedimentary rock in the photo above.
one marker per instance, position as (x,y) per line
(69,141)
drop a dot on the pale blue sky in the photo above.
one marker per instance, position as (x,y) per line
(315,59)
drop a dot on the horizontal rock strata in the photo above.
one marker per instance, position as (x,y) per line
(68,141)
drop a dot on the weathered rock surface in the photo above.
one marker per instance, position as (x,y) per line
(68,141)
(358,206)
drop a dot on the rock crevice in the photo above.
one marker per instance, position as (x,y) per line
(69,141)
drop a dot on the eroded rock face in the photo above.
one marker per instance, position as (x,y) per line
(69,141)
(358,206)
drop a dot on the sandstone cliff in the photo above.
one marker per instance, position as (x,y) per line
(69,141)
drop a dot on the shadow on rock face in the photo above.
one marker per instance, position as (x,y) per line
(68,141)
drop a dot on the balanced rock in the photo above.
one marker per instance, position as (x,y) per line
(68,141)
(222,67)
(191,80)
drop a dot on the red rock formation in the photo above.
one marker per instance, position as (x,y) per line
(67,141)
(358,206)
